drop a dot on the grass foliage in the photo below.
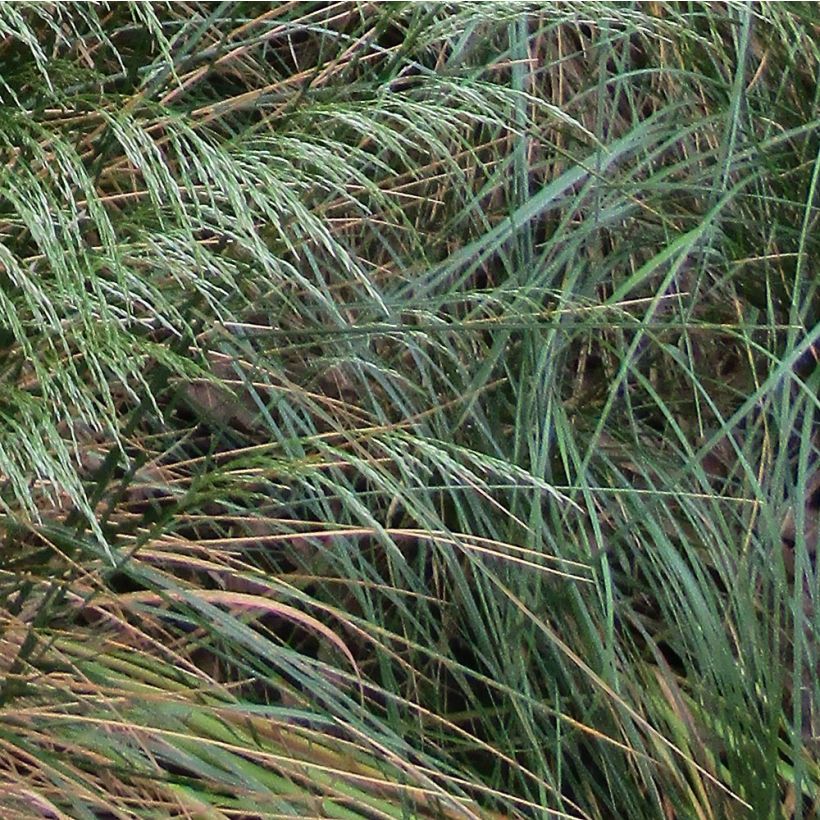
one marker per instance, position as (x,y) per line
(400,406)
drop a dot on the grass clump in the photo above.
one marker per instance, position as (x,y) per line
(401,406)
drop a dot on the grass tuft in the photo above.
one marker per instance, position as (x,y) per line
(408,410)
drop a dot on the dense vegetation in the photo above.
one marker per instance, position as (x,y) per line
(400,406)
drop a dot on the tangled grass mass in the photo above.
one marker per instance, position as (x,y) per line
(409,410)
